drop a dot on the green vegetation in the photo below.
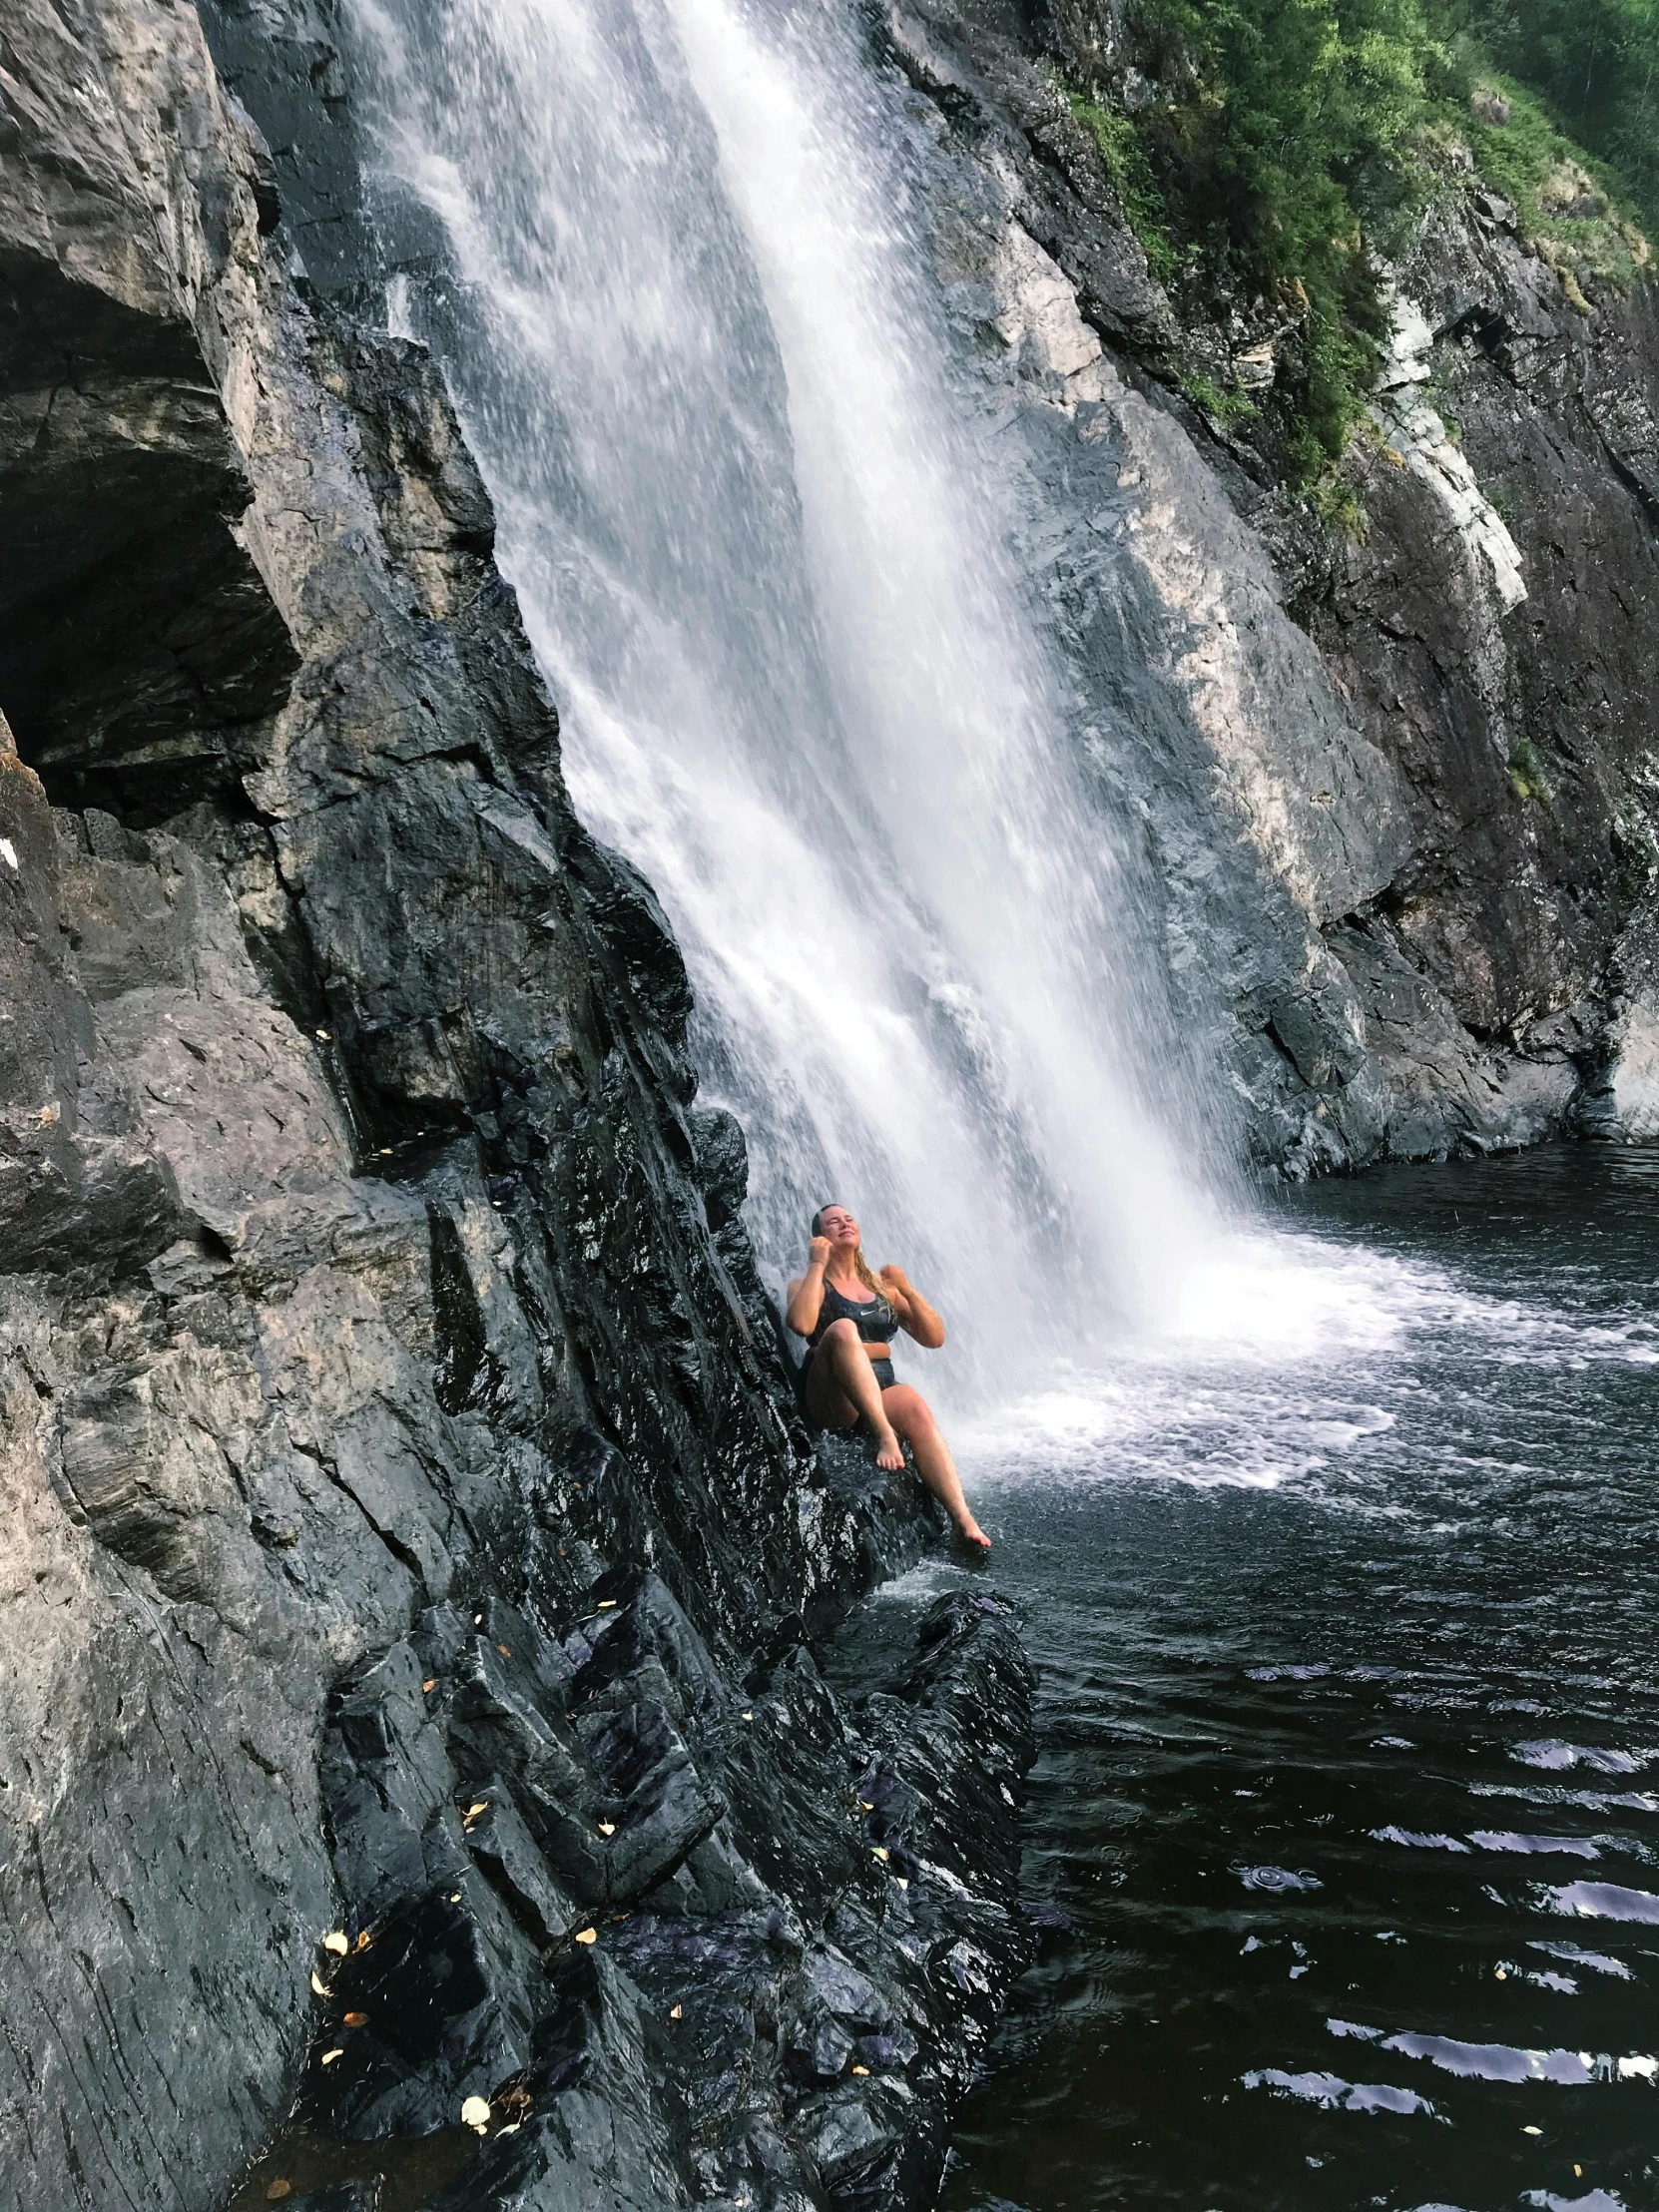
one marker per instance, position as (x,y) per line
(1527,773)
(1596,66)
(1272,153)
(1229,410)
(1132,180)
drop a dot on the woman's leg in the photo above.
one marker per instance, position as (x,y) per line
(841,1389)
(912,1417)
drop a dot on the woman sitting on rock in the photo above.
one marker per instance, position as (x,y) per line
(849,1318)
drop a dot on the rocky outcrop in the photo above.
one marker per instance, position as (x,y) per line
(1393,780)
(392,1420)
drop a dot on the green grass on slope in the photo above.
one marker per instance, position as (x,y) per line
(1273,155)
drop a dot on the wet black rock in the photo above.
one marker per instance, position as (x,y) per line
(608,1886)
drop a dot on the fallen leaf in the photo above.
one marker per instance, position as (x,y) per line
(385,1152)
(356,2019)
(860,2070)
(363,1940)
(454,1896)
(512,2127)
(475,2112)
(1579,2171)
(483,1805)
(430,1683)
(1531,2130)
(749,1716)
(336,1940)
(900,1881)
(607,1828)
(477,1620)
(278,2190)
(864,1806)
(678,2013)
(320,1987)
(880,1850)
(329,2056)
(606,1604)
(587,1935)
(324,1034)
(1501,1975)
(506,1653)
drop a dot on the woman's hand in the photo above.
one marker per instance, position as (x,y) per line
(917,1317)
(806,1291)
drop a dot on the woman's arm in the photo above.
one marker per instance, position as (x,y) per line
(806,1291)
(915,1315)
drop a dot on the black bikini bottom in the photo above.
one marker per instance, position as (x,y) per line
(881,1369)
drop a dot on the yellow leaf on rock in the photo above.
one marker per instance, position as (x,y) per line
(860,2070)
(879,1849)
(475,2112)
(506,1653)
(678,2012)
(430,1683)
(607,1828)
(318,1985)
(606,1604)
(336,1940)
(473,1811)
(278,2191)
(356,2019)
(587,1935)
(329,2056)
(363,1940)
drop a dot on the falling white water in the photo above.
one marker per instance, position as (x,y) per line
(762,556)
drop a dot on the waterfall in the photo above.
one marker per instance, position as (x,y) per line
(761,548)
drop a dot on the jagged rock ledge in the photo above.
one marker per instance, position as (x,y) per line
(589,1880)
(376,1310)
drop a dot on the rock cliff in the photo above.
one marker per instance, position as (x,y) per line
(1394,781)
(409,1531)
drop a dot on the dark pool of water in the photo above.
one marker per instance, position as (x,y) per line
(1345,1827)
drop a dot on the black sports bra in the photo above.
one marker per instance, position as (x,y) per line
(876,1316)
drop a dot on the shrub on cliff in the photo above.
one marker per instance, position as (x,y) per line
(1272,154)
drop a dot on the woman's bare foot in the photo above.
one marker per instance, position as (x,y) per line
(890,1452)
(971,1533)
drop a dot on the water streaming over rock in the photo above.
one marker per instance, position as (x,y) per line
(759,540)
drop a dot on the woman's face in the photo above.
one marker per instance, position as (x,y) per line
(835,1223)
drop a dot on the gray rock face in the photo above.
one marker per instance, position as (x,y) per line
(367,1271)
(1395,795)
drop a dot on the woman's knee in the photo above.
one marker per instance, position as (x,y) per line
(838,1332)
(907,1410)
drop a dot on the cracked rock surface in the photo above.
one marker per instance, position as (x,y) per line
(1392,794)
